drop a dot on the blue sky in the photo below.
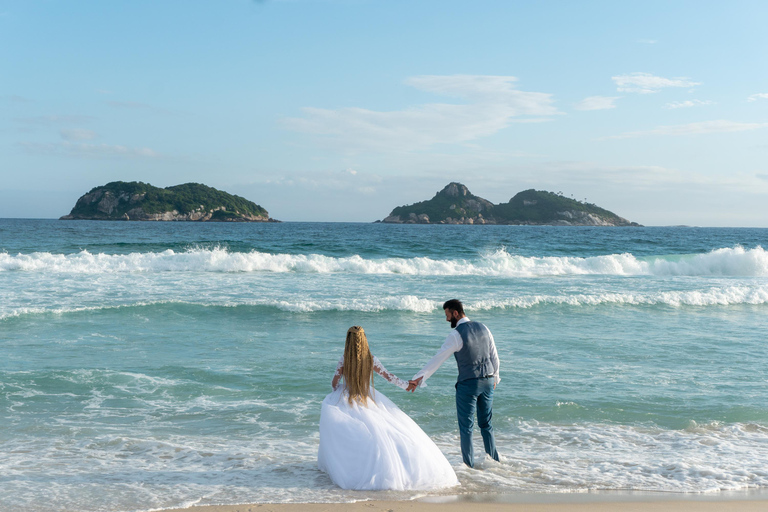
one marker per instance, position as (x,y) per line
(341,110)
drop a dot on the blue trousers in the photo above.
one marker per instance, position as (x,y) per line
(475,395)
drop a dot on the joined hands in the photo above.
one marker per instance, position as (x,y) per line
(413,384)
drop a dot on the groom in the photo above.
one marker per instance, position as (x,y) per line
(475,351)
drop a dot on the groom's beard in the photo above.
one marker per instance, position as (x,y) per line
(453,323)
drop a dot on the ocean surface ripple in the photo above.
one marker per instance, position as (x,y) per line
(146,366)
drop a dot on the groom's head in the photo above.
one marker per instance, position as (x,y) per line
(454,311)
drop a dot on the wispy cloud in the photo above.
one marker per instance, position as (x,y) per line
(138,106)
(688,104)
(87,150)
(650,178)
(132,105)
(53,120)
(348,180)
(493,103)
(759,96)
(645,83)
(72,134)
(15,98)
(597,103)
(597,173)
(701,128)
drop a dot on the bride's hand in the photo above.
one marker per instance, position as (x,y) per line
(413,384)
(337,378)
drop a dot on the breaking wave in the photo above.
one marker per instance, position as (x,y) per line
(734,261)
(716,296)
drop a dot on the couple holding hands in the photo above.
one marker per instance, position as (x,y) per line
(368,443)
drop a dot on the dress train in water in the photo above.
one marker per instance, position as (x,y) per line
(378,446)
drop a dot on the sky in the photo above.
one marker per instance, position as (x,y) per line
(341,110)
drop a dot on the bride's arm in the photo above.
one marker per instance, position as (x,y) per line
(338,374)
(379,368)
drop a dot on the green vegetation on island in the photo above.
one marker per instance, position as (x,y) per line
(455,204)
(120,200)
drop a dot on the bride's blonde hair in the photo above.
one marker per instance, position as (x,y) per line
(358,366)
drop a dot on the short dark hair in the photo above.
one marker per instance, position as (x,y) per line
(454,305)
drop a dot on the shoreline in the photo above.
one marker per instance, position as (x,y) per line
(597,501)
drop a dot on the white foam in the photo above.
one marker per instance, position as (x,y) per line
(734,261)
(127,471)
(708,297)
(177,444)
(392,303)
(714,296)
(369,305)
(702,458)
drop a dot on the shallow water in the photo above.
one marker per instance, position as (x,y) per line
(154,365)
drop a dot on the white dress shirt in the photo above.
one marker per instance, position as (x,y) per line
(454,343)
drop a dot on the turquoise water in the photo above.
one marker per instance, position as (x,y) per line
(152,365)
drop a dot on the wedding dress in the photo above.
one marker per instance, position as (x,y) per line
(377,446)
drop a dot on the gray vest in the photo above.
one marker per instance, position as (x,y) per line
(474,358)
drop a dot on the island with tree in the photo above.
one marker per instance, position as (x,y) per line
(455,204)
(135,200)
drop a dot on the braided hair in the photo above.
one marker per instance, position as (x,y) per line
(358,366)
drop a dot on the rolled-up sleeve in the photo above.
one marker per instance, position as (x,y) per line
(494,359)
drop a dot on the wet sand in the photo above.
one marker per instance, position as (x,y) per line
(644,505)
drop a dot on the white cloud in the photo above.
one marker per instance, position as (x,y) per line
(139,107)
(647,194)
(531,120)
(53,120)
(86,150)
(330,195)
(595,173)
(755,97)
(15,98)
(645,83)
(705,127)
(77,134)
(493,103)
(597,103)
(687,104)
(587,176)
(133,105)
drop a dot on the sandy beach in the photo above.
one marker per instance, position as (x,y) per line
(460,506)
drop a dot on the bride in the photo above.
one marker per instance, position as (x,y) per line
(366,441)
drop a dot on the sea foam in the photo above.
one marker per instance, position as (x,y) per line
(733,261)
(714,296)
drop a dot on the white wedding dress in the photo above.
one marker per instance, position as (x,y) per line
(379,446)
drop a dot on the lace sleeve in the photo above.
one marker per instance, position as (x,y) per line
(337,375)
(379,368)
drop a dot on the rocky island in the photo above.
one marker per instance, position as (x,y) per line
(455,204)
(135,200)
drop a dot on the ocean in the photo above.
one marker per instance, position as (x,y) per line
(156,365)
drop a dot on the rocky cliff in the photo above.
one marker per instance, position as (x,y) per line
(135,200)
(455,204)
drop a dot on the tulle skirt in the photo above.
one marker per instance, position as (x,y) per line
(378,447)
